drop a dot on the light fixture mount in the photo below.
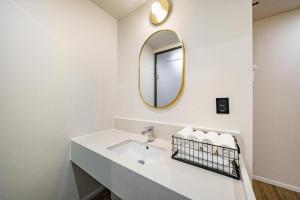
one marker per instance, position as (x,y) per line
(159,11)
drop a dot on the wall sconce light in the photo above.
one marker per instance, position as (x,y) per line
(159,11)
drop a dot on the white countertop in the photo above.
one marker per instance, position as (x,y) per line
(187,180)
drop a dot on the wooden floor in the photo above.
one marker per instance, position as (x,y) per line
(264,191)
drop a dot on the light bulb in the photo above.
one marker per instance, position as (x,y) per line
(159,11)
(156,8)
(161,15)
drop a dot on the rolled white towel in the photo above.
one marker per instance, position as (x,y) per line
(194,139)
(227,140)
(197,136)
(194,155)
(230,154)
(211,138)
(187,152)
(192,148)
(199,156)
(223,161)
(187,129)
(182,152)
(183,134)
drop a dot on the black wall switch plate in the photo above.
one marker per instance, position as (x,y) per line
(222,105)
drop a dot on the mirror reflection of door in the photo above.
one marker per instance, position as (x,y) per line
(161,69)
(168,75)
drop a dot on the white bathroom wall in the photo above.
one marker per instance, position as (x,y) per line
(276,100)
(218,40)
(57,76)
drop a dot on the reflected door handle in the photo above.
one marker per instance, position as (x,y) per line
(156,76)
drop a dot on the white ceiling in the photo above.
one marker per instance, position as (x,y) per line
(162,39)
(267,8)
(119,8)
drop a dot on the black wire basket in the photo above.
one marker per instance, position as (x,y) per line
(221,160)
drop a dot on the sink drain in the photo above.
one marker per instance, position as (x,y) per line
(142,162)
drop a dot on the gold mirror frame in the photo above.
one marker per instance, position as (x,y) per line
(182,78)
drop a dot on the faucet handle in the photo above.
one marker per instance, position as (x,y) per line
(149,130)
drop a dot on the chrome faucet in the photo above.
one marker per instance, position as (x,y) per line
(150,132)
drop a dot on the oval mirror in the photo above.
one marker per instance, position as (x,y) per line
(161,69)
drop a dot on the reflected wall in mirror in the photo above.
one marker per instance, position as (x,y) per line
(161,70)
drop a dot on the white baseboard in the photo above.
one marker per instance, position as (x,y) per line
(276,183)
(94,193)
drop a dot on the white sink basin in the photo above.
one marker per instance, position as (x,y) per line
(137,151)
